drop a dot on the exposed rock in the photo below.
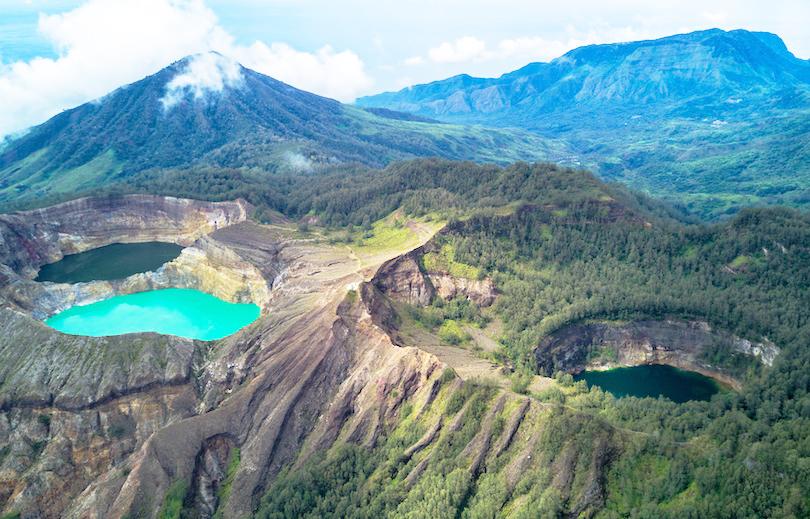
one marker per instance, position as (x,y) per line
(57,454)
(382,311)
(210,471)
(766,351)
(402,280)
(479,291)
(44,368)
(318,367)
(32,238)
(104,427)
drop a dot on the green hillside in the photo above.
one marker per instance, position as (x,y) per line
(713,120)
(256,123)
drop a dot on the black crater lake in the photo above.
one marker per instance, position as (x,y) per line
(116,261)
(652,380)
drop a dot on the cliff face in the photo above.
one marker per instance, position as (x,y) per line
(73,408)
(404,280)
(35,237)
(479,291)
(602,345)
(30,239)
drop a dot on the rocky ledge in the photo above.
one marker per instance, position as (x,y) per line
(403,279)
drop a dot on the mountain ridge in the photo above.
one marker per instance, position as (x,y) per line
(714,120)
(587,54)
(209,110)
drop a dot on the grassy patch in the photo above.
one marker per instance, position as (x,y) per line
(740,262)
(452,333)
(173,503)
(224,491)
(445,261)
(396,233)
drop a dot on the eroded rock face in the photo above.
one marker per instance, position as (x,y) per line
(403,280)
(676,343)
(205,264)
(43,368)
(479,291)
(72,408)
(129,416)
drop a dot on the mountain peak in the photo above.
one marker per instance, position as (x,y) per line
(708,64)
(200,75)
(207,109)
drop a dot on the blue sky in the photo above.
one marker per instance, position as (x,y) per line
(56,54)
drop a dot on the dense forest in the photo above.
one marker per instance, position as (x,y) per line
(348,195)
(749,275)
(561,246)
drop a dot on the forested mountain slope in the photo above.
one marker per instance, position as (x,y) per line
(207,110)
(713,119)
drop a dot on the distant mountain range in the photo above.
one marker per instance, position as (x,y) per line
(247,120)
(713,119)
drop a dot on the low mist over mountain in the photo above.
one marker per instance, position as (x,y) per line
(715,119)
(209,110)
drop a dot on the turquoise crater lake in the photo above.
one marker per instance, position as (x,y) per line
(652,380)
(174,311)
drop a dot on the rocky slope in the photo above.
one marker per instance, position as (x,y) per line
(134,425)
(406,280)
(103,427)
(125,426)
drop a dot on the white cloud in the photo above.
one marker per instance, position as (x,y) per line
(414,61)
(533,48)
(340,75)
(475,54)
(204,74)
(104,44)
(462,49)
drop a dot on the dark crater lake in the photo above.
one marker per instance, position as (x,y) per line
(652,380)
(116,261)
